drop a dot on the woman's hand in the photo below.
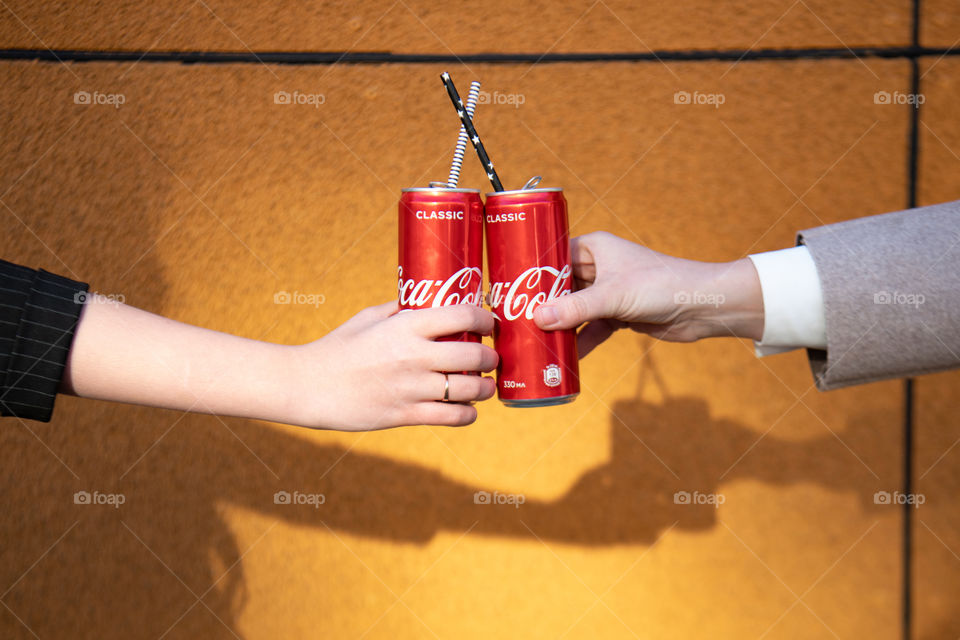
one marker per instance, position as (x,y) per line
(380,369)
(383,369)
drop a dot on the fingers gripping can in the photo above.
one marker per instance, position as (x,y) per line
(528,259)
(441,250)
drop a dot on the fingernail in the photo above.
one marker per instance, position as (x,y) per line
(548,315)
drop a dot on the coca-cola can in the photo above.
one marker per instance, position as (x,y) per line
(528,259)
(440,250)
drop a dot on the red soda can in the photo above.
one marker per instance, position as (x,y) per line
(528,258)
(441,250)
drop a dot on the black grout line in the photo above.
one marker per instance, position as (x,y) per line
(385,57)
(907,509)
(908,387)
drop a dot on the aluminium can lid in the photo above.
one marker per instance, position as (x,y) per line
(441,189)
(518,191)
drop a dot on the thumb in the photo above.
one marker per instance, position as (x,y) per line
(569,311)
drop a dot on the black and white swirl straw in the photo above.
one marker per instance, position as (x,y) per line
(454,178)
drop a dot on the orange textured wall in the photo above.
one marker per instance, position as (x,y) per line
(200,198)
(454,27)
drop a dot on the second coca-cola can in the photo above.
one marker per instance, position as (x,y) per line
(440,250)
(528,259)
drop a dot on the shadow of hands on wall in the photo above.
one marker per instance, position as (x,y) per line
(167,559)
(666,467)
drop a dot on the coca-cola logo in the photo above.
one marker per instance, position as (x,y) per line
(463,287)
(522,296)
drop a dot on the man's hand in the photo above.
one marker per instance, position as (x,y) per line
(620,284)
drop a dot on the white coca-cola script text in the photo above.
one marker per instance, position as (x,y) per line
(462,287)
(520,297)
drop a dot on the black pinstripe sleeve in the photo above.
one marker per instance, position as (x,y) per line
(38,317)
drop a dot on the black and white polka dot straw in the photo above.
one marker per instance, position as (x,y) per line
(471,131)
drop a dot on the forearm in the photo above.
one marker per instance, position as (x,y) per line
(124,354)
(731,300)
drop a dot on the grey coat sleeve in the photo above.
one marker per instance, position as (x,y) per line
(891,292)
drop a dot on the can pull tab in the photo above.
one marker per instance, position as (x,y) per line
(435,184)
(532,183)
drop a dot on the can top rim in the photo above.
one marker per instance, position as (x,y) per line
(516,191)
(441,189)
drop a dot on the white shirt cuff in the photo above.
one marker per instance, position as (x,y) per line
(793,313)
